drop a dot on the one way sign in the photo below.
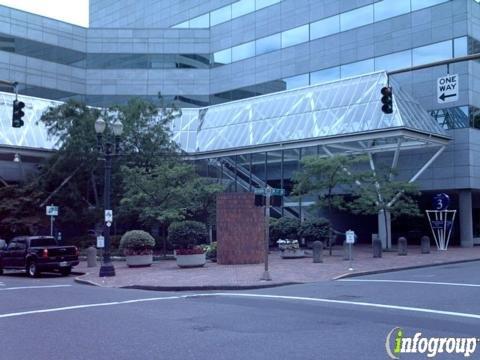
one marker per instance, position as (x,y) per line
(447,89)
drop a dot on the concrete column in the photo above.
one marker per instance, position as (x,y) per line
(465,218)
(382,234)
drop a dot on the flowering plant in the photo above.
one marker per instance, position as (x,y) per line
(191,251)
(286,244)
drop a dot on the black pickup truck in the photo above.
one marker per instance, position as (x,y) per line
(36,254)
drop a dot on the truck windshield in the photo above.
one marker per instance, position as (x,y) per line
(43,242)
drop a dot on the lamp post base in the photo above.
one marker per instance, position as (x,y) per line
(266,276)
(107,270)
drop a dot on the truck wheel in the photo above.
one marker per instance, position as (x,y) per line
(66,271)
(32,270)
(1,271)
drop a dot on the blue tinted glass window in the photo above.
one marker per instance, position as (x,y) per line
(268,44)
(243,51)
(222,57)
(325,27)
(183,25)
(394,61)
(260,4)
(389,8)
(200,21)
(295,36)
(356,18)
(460,46)
(431,53)
(325,75)
(357,68)
(220,15)
(420,4)
(296,81)
(242,7)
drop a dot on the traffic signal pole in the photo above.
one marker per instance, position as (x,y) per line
(436,63)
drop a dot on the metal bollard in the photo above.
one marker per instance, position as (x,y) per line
(425,244)
(318,252)
(377,248)
(91,256)
(402,246)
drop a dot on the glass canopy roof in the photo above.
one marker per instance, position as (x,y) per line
(340,108)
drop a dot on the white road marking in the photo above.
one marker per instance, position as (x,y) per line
(34,287)
(281,297)
(410,282)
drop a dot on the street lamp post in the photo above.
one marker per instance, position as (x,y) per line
(107,150)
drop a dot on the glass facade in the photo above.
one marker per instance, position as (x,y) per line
(226,13)
(346,21)
(42,51)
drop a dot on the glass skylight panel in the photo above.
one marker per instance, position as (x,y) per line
(325,27)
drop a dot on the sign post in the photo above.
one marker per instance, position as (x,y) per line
(441,220)
(52,211)
(350,240)
(267,193)
(447,88)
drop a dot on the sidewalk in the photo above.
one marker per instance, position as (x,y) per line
(165,275)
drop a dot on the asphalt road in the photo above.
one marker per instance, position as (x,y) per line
(54,318)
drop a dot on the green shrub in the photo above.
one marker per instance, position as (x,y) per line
(210,251)
(315,229)
(284,228)
(187,234)
(137,242)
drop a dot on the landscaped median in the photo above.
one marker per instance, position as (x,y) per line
(165,274)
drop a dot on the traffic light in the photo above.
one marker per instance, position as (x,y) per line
(18,114)
(387,100)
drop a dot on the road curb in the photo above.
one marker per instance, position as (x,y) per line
(373,272)
(207,287)
(189,288)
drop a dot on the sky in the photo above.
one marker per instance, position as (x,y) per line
(71,11)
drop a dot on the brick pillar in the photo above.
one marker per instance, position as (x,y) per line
(240,229)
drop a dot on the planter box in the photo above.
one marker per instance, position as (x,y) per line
(188,261)
(293,254)
(139,260)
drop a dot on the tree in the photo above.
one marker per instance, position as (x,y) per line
(380,194)
(372,192)
(168,192)
(327,178)
(73,178)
